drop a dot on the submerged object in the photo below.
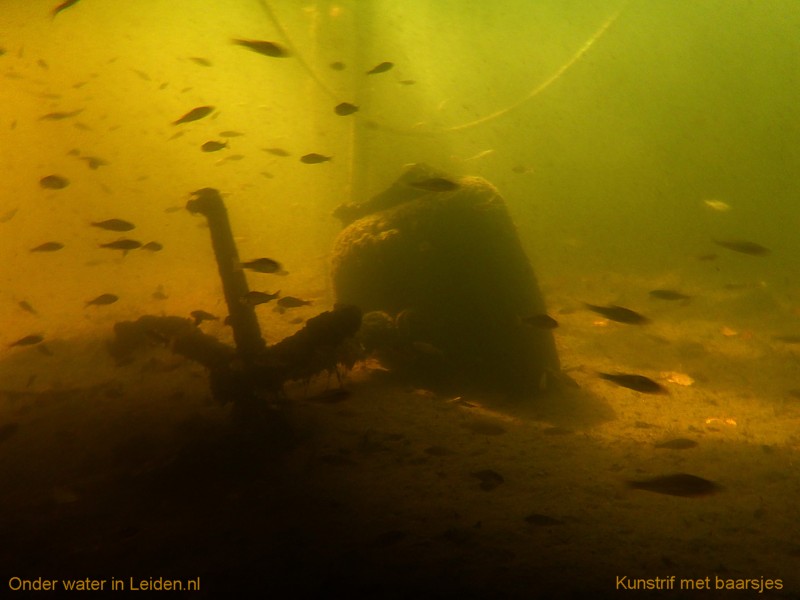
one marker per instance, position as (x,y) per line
(619,314)
(345,108)
(743,247)
(103,300)
(448,318)
(680,484)
(263,47)
(435,184)
(668,295)
(638,383)
(195,114)
(313,158)
(54,182)
(48,247)
(380,68)
(114,225)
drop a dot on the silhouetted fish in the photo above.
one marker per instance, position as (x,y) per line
(680,484)
(28,340)
(638,383)
(63,6)
(201,315)
(292,302)
(213,146)
(263,47)
(114,225)
(668,295)
(380,68)
(263,265)
(48,247)
(743,246)
(123,244)
(618,313)
(195,114)
(313,158)
(345,108)
(54,182)
(103,300)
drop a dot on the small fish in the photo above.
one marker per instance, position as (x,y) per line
(159,293)
(345,108)
(407,82)
(619,314)
(8,215)
(337,65)
(263,265)
(59,115)
(28,340)
(63,6)
(489,479)
(540,321)
(203,62)
(123,244)
(213,146)
(26,306)
(277,151)
(542,520)
(254,298)
(380,68)
(292,302)
(8,430)
(54,182)
(668,295)
(48,247)
(717,205)
(787,339)
(677,444)
(103,300)
(638,383)
(263,47)
(195,114)
(94,163)
(435,184)
(314,158)
(680,484)
(153,247)
(230,133)
(201,315)
(743,246)
(114,225)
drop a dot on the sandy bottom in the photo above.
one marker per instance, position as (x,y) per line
(395,491)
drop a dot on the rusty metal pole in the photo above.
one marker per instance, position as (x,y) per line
(243,320)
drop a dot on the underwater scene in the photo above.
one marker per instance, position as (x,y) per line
(409,299)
